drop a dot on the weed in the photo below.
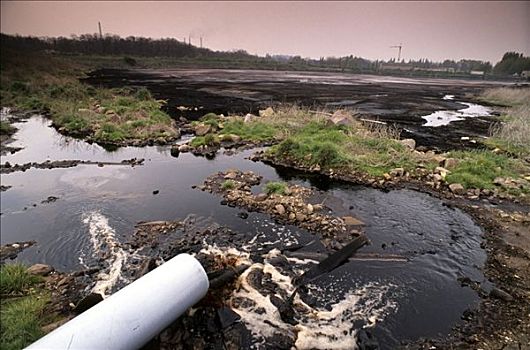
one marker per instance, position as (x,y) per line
(276,187)
(20,321)
(15,279)
(228,185)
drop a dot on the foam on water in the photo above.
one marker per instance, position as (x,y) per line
(334,327)
(105,244)
(440,118)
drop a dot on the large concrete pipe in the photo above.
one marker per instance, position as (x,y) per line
(134,315)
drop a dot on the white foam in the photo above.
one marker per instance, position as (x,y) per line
(104,243)
(318,328)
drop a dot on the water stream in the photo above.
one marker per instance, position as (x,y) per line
(97,208)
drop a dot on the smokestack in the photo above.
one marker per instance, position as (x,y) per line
(189,39)
(201,42)
(100,32)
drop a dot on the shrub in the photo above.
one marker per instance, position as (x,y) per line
(228,185)
(276,187)
(15,279)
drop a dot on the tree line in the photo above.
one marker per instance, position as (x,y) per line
(511,63)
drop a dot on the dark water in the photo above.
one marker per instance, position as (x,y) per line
(441,243)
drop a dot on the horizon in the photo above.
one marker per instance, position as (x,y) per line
(445,30)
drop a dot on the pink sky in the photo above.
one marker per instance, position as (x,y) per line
(433,30)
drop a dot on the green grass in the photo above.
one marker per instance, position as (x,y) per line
(276,187)
(478,169)
(228,185)
(14,279)
(6,128)
(50,84)
(344,148)
(209,140)
(255,131)
(21,322)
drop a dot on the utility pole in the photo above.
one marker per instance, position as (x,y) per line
(399,50)
(189,39)
(201,42)
(100,32)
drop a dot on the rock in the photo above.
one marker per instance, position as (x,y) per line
(202,129)
(457,189)
(499,181)
(300,217)
(439,159)
(442,171)
(310,209)
(156,192)
(280,209)
(230,138)
(500,294)
(410,143)
(341,117)
(292,216)
(450,163)
(351,221)
(175,151)
(242,215)
(397,172)
(437,177)
(87,302)
(260,197)
(267,113)
(184,148)
(249,117)
(230,176)
(40,269)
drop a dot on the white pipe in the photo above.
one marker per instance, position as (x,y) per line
(134,315)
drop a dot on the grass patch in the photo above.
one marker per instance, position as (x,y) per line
(15,279)
(507,97)
(50,83)
(478,169)
(251,131)
(209,140)
(276,187)
(348,148)
(6,128)
(228,185)
(21,322)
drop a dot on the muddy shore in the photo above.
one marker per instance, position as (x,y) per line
(400,101)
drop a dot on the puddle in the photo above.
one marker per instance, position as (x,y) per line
(440,118)
(98,207)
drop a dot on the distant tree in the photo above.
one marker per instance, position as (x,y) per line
(512,63)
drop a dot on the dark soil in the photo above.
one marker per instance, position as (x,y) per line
(193,93)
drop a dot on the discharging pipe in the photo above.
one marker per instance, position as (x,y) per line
(131,317)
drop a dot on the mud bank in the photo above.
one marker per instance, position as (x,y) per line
(401,101)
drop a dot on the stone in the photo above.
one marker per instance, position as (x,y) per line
(202,129)
(292,216)
(267,113)
(410,143)
(310,209)
(457,188)
(280,209)
(437,177)
(351,221)
(40,269)
(439,159)
(230,138)
(88,302)
(442,171)
(342,117)
(260,197)
(230,176)
(184,148)
(450,163)
(499,181)
(397,172)
(300,217)
(500,294)
(175,151)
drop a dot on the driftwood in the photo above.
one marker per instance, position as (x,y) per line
(358,256)
(222,277)
(332,261)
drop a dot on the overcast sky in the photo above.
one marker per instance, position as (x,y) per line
(433,30)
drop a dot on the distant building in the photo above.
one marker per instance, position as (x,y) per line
(477,72)
(525,74)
